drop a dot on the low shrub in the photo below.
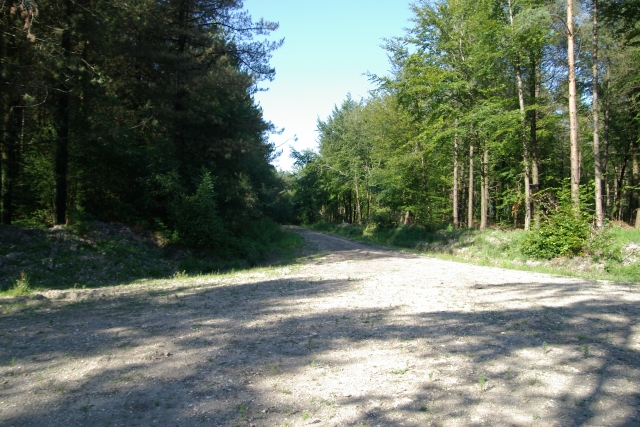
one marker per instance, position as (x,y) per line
(563,232)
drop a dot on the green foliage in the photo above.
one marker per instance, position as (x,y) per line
(599,243)
(260,237)
(22,285)
(406,237)
(620,259)
(78,221)
(475,78)
(119,113)
(196,218)
(382,217)
(112,254)
(564,232)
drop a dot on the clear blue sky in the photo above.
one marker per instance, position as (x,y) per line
(328,47)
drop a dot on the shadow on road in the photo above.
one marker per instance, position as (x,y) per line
(212,353)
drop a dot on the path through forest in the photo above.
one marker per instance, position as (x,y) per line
(354,335)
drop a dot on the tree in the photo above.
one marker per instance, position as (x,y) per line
(114,108)
(594,109)
(573,110)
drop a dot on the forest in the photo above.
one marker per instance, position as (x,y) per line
(139,112)
(496,112)
(515,113)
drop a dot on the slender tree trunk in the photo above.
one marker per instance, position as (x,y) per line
(358,210)
(62,125)
(456,218)
(484,196)
(461,194)
(594,108)
(525,147)
(425,187)
(5,181)
(605,154)
(620,189)
(181,89)
(368,193)
(534,89)
(573,112)
(635,179)
(615,194)
(470,201)
(7,160)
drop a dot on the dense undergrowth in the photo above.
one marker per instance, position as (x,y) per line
(92,254)
(613,254)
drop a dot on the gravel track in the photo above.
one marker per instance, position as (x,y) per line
(354,335)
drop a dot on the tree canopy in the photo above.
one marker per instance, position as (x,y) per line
(133,111)
(473,122)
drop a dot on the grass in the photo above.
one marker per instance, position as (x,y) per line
(502,248)
(22,285)
(401,371)
(482,380)
(242,410)
(111,254)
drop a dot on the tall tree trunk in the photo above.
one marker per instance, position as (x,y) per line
(456,218)
(614,214)
(407,217)
(5,181)
(358,210)
(635,179)
(425,187)
(605,156)
(594,108)
(368,193)
(484,196)
(7,160)
(523,135)
(470,201)
(534,91)
(573,112)
(461,194)
(620,192)
(181,88)
(62,125)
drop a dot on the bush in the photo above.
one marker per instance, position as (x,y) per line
(562,233)
(382,217)
(196,218)
(260,237)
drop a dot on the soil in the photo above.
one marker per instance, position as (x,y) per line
(354,334)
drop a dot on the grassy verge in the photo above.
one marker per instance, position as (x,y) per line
(103,254)
(616,258)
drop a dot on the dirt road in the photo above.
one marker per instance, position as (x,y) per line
(355,335)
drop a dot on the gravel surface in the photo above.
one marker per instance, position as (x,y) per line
(354,335)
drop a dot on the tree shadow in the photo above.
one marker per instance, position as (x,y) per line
(261,349)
